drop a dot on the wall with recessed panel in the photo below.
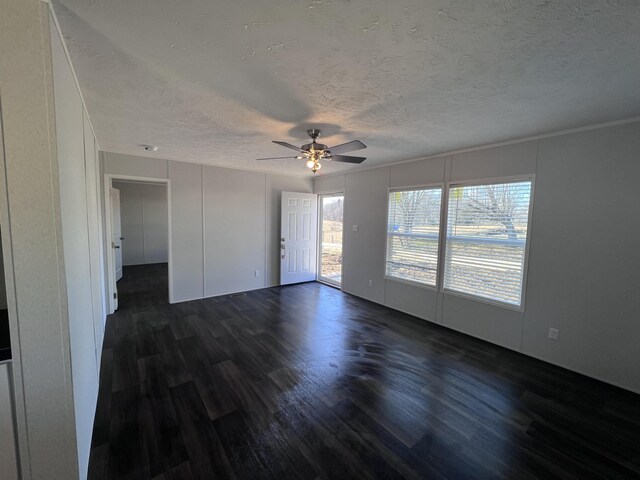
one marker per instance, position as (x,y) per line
(81,221)
(225,223)
(31,228)
(583,273)
(145,222)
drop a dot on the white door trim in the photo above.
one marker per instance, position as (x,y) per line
(111,268)
(116,240)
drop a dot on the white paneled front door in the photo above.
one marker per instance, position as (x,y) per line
(298,237)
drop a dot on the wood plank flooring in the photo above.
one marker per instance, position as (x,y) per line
(305,382)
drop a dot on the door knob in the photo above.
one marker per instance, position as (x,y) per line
(116,246)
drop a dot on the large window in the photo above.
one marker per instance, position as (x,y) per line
(486,240)
(413,229)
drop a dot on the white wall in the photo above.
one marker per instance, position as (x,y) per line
(187,250)
(77,170)
(225,223)
(132,246)
(235,224)
(144,214)
(32,246)
(155,223)
(96,244)
(583,264)
(584,271)
(367,199)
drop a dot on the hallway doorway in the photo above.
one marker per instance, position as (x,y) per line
(143,239)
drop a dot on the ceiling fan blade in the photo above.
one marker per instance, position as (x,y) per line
(348,147)
(277,158)
(288,145)
(348,159)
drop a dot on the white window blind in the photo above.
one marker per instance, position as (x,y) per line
(486,239)
(413,228)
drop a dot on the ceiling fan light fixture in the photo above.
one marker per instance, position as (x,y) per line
(313,152)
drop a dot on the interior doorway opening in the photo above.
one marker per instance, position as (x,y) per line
(138,230)
(331,235)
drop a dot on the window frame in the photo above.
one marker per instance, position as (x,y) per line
(390,190)
(525,265)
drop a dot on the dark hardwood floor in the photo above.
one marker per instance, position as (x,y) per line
(305,382)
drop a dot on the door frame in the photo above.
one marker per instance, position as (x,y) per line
(114,243)
(282,235)
(111,268)
(319,278)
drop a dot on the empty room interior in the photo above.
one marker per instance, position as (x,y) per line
(323,239)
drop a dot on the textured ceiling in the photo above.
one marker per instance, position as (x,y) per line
(215,82)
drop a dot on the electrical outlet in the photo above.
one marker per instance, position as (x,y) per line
(355,228)
(256,273)
(371,283)
(553,333)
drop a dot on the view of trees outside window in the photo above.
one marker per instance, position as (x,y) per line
(331,241)
(486,240)
(412,234)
